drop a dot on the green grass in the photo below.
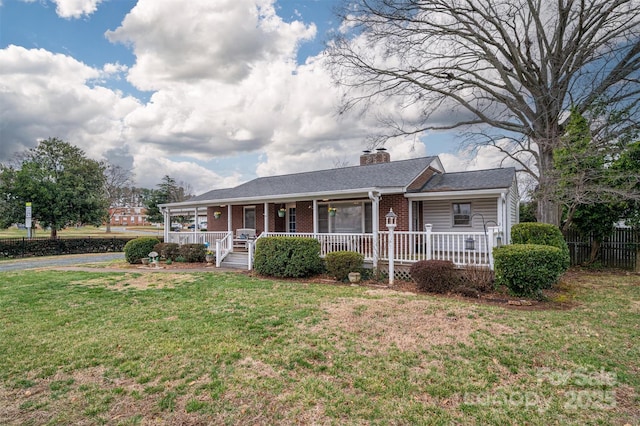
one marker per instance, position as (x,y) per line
(130,348)
(83,231)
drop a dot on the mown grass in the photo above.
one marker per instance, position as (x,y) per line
(78,232)
(213,348)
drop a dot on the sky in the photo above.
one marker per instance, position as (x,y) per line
(210,92)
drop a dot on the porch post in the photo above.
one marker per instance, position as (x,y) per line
(315,216)
(196,226)
(427,229)
(491,231)
(500,211)
(375,227)
(230,223)
(167,221)
(412,237)
(391,218)
(266,217)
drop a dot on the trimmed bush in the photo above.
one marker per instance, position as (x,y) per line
(436,276)
(540,233)
(340,263)
(192,253)
(139,248)
(526,269)
(168,251)
(292,257)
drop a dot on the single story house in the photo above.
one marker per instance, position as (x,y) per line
(458,216)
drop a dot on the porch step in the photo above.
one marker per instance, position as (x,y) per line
(236,260)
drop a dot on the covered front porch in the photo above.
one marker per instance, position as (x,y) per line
(462,248)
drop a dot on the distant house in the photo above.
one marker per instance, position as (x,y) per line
(458,216)
(128,216)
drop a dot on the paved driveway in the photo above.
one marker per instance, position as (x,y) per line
(69,260)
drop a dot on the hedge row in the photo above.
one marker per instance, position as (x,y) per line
(24,247)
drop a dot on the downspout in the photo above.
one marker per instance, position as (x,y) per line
(375,225)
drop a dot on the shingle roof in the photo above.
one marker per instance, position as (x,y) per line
(478,179)
(382,175)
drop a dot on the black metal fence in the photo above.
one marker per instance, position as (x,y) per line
(30,247)
(620,250)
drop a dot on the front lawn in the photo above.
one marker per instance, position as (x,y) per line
(213,348)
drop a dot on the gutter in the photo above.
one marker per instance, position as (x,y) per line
(287,197)
(467,193)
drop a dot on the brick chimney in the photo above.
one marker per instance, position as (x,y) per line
(380,156)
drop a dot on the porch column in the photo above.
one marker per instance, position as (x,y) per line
(491,236)
(229,219)
(412,238)
(375,227)
(427,236)
(266,217)
(500,211)
(315,216)
(506,223)
(167,221)
(196,225)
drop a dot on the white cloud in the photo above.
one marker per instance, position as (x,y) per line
(46,95)
(152,164)
(110,69)
(225,84)
(222,40)
(76,8)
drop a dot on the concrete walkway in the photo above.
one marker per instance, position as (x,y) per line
(57,261)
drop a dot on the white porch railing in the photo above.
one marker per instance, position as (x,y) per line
(196,237)
(462,248)
(361,243)
(223,246)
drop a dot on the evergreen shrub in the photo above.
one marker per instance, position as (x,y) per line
(192,253)
(340,263)
(139,248)
(526,269)
(541,233)
(292,257)
(168,251)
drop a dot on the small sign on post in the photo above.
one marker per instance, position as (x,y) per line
(27,220)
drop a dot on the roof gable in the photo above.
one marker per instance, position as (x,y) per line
(465,181)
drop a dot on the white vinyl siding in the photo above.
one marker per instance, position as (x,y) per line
(440,214)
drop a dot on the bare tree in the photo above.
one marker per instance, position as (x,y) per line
(117,181)
(505,70)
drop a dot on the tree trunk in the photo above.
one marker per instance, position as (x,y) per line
(548,208)
(595,248)
(54,233)
(108,226)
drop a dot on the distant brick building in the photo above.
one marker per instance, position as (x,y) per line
(128,216)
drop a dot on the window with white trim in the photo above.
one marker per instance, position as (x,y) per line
(350,217)
(461,214)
